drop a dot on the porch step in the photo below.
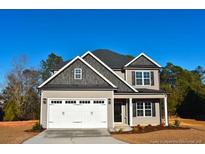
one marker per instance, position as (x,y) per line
(124,128)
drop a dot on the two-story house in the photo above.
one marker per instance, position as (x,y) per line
(103,89)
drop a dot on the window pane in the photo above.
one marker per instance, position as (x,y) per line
(139,75)
(77,73)
(77,76)
(139,105)
(148,113)
(146,81)
(146,74)
(147,105)
(139,113)
(139,81)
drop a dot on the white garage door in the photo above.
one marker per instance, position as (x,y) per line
(77,113)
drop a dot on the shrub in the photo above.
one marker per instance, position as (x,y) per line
(37,127)
(177,123)
(137,128)
(11,111)
(120,130)
(148,126)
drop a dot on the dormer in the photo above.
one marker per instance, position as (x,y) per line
(143,72)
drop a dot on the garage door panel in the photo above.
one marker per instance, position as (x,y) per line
(81,114)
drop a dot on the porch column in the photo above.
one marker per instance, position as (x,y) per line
(165,111)
(130,112)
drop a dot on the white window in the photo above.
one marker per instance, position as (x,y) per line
(78,73)
(140,110)
(144,109)
(142,78)
(148,109)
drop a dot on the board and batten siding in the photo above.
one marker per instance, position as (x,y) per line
(49,94)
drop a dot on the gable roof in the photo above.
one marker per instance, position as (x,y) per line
(112,59)
(115,60)
(68,64)
(107,67)
(59,66)
(142,55)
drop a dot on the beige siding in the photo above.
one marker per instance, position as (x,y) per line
(156,79)
(148,120)
(160,96)
(121,74)
(145,120)
(76,94)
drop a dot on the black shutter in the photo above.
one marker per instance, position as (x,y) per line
(134,110)
(153,109)
(133,78)
(152,78)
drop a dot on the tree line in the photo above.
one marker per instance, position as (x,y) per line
(22,97)
(186,89)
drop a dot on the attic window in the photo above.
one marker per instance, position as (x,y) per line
(77,73)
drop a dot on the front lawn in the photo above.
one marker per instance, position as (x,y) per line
(16,132)
(194,135)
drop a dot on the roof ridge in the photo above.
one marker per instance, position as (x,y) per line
(88,52)
(68,64)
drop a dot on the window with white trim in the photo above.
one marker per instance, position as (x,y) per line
(78,73)
(142,78)
(144,109)
(140,110)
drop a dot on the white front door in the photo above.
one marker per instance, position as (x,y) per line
(77,113)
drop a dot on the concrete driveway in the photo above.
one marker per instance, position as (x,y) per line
(75,136)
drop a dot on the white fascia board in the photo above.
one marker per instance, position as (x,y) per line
(58,72)
(64,67)
(143,54)
(88,52)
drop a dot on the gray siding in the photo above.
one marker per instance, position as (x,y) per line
(143,62)
(65,79)
(122,87)
(121,74)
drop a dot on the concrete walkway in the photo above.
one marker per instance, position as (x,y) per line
(89,136)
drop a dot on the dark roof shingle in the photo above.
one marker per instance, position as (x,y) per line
(144,90)
(112,59)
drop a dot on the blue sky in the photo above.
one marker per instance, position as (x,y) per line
(176,36)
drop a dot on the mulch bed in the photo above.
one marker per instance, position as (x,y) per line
(34,131)
(147,129)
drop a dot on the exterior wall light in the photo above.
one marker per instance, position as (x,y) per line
(44,100)
(109,100)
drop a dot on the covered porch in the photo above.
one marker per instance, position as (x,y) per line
(142,109)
